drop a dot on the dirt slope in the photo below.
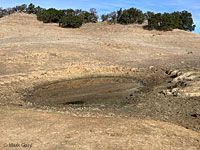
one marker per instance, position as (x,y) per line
(28,45)
(60,131)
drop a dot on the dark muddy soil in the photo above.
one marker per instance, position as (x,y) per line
(98,91)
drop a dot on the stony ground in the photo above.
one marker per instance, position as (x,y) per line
(166,63)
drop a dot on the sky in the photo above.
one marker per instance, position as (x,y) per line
(106,6)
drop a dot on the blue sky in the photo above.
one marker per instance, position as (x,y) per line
(105,6)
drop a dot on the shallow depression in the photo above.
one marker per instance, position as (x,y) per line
(86,91)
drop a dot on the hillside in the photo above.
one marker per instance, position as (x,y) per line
(132,46)
(41,58)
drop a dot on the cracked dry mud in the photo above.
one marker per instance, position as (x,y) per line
(156,72)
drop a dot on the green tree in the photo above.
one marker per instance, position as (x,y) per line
(50,15)
(104,18)
(38,9)
(21,8)
(31,9)
(85,16)
(69,12)
(112,17)
(93,15)
(154,21)
(89,16)
(78,12)
(187,21)
(119,14)
(166,22)
(130,16)
(177,21)
(70,21)
(3,12)
(169,21)
(10,11)
(148,15)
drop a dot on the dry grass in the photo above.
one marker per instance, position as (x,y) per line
(61,131)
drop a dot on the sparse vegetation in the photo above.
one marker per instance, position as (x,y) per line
(70,18)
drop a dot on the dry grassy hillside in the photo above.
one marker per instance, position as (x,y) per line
(33,53)
(28,45)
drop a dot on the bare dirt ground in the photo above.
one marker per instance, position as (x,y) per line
(167,64)
(61,131)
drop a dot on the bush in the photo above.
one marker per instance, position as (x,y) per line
(148,15)
(50,15)
(85,16)
(38,10)
(169,21)
(187,21)
(88,17)
(130,16)
(70,21)
(41,15)
(21,8)
(110,18)
(3,12)
(31,9)
(154,21)
(104,18)
(93,15)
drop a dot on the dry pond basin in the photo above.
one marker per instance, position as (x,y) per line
(89,91)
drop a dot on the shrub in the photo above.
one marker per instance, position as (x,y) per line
(169,21)
(71,21)
(3,12)
(187,21)
(93,15)
(40,14)
(154,21)
(38,9)
(130,16)
(10,11)
(21,8)
(50,15)
(31,9)
(104,18)
(89,16)
(110,18)
(148,15)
